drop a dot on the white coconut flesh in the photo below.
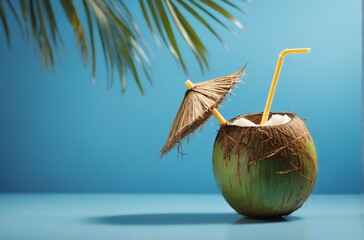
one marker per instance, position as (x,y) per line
(276,119)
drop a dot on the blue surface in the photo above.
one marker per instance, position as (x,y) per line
(123,216)
(61,133)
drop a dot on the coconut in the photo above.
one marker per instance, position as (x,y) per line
(265,171)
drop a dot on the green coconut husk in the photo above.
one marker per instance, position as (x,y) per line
(265,171)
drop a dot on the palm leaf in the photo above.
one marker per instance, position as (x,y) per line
(222,11)
(52,22)
(91,37)
(4,22)
(149,23)
(124,48)
(235,6)
(154,11)
(15,14)
(184,28)
(119,34)
(206,11)
(39,29)
(169,31)
(190,35)
(160,18)
(195,14)
(72,16)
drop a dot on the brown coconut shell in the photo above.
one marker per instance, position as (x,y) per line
(286,140)
(289,159)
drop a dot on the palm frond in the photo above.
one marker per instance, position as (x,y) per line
(235,6)
(196,15)
(40,29)
(222,11)
(4,22)
(119,37)
(71,13)
(188,34)
(15,14)
(124,48)
(39,24)
(53,27)
(211,15)
(158,13)
(91,37)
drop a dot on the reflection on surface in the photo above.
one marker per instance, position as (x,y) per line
(183,218)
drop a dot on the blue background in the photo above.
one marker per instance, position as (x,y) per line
(62,133)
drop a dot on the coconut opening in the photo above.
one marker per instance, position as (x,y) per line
(275,119)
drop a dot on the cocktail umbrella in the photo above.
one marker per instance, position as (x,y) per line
(199,103)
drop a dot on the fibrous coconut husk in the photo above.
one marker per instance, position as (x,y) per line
(285,140)
(265,171)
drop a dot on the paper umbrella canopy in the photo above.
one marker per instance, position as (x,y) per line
(199,103)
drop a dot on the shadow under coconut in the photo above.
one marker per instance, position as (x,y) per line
(247,220)
(182,219)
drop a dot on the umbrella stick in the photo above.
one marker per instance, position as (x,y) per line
(275,79)
(214,111)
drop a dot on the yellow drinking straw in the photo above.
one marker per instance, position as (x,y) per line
(214,111)
(275,78)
